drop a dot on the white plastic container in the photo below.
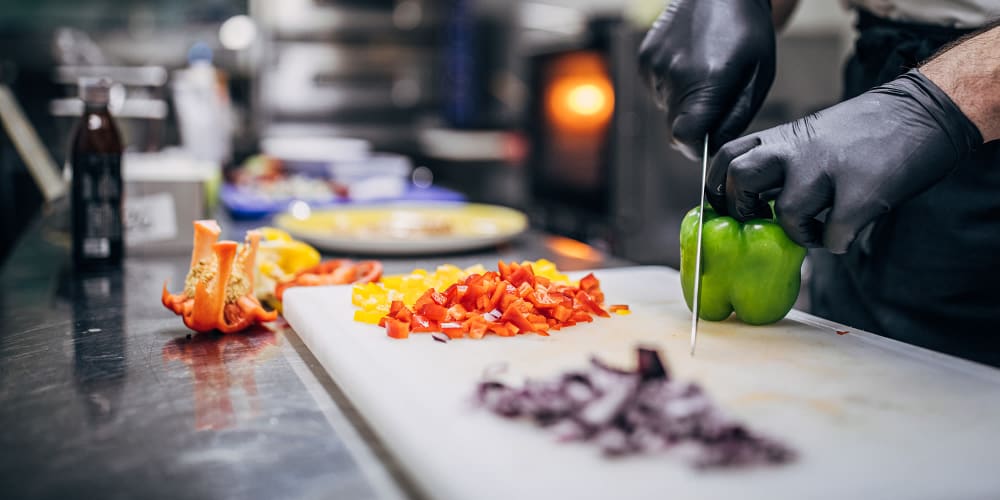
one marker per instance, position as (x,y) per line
(297,149)
(346,161)
(380,176)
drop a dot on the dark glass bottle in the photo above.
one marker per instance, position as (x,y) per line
(96,157)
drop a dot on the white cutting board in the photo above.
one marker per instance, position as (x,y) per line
(869,417)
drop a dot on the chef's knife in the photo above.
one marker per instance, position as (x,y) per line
(696,301)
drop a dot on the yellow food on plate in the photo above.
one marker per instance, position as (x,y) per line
(373,299)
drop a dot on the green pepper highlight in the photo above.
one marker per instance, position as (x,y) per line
(752,268)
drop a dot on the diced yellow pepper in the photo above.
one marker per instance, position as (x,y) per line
(279,258)
(368,316)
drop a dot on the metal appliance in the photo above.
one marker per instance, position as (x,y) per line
(601,169)
(348,68)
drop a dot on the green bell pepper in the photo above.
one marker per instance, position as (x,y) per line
(751,268)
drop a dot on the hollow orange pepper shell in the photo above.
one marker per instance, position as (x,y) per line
(207,309)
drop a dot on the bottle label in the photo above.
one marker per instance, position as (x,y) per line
(97,203)
(150,219)
(96,248)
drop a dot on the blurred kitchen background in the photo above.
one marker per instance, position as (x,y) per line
(265,104)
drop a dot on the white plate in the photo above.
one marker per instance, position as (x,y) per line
(406,229)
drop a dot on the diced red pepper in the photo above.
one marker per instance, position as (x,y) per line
(562,313)
(471,299)
(589,283)
(482,302)
(503,269)
(434,312)
(522,275)
(516,318)
(498,292)
(431,296)
(397,329)
(477,326)
(421,324)
(454,329)
(506,301)
(589,303)
(457,313)
(503,329)
(451,292)
(395,307)
(404,314)
(541,299)
(510,302)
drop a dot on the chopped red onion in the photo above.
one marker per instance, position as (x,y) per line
(493,316)
(628,412)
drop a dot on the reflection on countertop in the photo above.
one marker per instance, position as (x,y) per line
(222,368)
(99,364)
(103,395)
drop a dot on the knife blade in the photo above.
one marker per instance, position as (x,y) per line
(696,301)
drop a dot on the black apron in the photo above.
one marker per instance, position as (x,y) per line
(929,271)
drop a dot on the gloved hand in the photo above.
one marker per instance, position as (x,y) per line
(710,63)
(860,158)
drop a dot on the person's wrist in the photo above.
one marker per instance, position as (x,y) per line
(972,103)
(960,128)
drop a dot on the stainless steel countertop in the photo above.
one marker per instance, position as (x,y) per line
(104,393)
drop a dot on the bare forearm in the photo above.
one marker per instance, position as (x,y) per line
(969,72)
(781,10)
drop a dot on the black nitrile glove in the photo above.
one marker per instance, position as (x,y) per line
(860,158)
(710,63)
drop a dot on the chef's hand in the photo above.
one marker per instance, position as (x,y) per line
(710,63)
(860,158)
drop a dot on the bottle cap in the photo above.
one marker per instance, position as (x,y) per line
(95,90)
(200,52)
